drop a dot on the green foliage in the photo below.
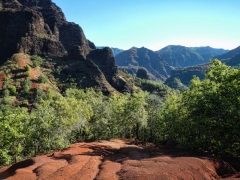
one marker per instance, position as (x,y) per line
(37,60)
(27,86)
(27,68)
(207,117)
(6,93)
(12,89)
(15,58)
(154,87)
(7,82)
(42,79)
(8,100)
(27,73)
(142,73)
(12,121)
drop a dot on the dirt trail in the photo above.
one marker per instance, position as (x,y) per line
(116,160)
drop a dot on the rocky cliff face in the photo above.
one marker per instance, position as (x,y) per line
(39,27)
(24,30)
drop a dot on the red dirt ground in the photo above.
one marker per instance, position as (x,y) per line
(34,73)
(2,77)
(34,85)
(118,160)
(21,61)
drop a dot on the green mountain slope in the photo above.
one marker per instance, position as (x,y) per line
(134,58)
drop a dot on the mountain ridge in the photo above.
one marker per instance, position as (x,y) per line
(165,59)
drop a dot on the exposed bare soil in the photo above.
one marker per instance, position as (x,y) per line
(34,73)
(118,159)
(2,77)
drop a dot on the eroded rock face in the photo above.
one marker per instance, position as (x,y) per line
(71,35)
(39,27)
(41,46)
(105,61)
(24,30)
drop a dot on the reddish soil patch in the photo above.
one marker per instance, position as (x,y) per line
(34,85)
(34,74)
(44,88)
(2,77)
(117,159)
(21,61)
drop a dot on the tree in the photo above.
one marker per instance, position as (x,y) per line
(207,116)
(37,60)
(12,129)
(135,113)
(142,73)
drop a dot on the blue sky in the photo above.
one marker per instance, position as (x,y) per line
(155,24)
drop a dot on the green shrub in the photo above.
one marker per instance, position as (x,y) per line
(27,68)
(12,89)
(15,58)
(28,73)
(5,158)
(142,73)
(37,60)
(25,102)
(42,79)
(8,99)
(6,93)
(27,86)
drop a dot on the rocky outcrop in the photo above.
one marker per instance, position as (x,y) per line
(105,61)
(71,35)
(24,30)
(39,27)
(115,51)
(41,22)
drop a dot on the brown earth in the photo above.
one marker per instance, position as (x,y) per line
(118,159)
(21,61)
(34,73)
(2,77)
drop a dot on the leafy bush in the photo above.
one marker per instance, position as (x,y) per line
(6,93)
(142,73)
(12,89)
(27,73)
(27,68)
(207,116)
(15,58)
(8,100)
(42,79)
(27,86)
(37,60)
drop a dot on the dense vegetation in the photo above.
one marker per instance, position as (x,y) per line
(204,118)
(78,115)
(207,116)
